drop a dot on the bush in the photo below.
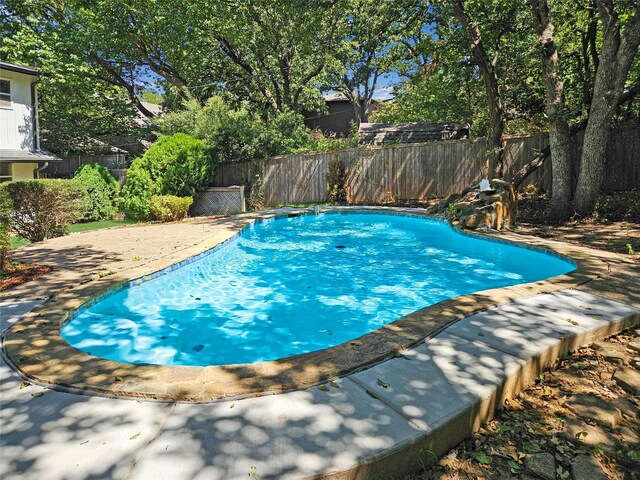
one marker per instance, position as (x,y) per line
(174,165)
(5,242)
(336,181)
(45,208)
(236,134)
(169,208)
(102,191)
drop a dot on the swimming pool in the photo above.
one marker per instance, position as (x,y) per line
(295,285)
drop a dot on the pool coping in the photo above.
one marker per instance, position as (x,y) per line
(36,349)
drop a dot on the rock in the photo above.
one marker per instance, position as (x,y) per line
(614,356)
(581,433)
(541,464)
(496,209)
(634,345)
(630,436)
(612,352)
(601,345)
(629,379)
(585,467)
(627,407)
(635,363)
(596,409)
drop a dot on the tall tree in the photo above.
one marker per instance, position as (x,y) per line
(494,158)
(269,52)
(559,138)
(620,41)
(371,31)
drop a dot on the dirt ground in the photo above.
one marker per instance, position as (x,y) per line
(548,418)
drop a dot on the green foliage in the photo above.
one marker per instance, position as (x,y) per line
(235,135)
(77,100)
(452,209)
(373,32)
(169,208)
(102,192)
(336,181)
(137,191)
(175,165)
(45,208)
(319,143)
(5,242)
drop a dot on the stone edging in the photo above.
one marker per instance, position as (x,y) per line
(34,345)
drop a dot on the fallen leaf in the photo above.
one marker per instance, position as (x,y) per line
(24,384)
(119,379)
(334,384)
(134,436)
(324,388)
(383,384)
(482,458)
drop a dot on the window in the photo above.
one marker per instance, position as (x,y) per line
(5,172)
(5,93)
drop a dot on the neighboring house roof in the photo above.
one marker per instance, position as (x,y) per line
(153,108)
(335,97)
(95,146)
(418,132)
(143,120)
(27,156)
(12,67)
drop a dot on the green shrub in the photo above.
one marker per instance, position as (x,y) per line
(336,181)
(102,191)
(175,165)
(169,208)
(237,134)
(5,242)
(45,208)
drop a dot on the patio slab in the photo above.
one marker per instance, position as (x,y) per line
(290,436)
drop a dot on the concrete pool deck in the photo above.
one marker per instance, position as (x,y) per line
(370,424)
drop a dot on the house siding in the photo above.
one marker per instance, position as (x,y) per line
(16,123)
(23,171)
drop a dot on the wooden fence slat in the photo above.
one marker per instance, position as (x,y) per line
(419,171)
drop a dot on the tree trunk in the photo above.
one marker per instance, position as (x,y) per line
(559,137)
(619,48)
(494,156)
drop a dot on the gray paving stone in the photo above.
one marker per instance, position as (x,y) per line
(587,406)
(444,379)
(629,379)
(543,465)
(293,435)
(585,467)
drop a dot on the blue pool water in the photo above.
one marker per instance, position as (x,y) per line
(296,285)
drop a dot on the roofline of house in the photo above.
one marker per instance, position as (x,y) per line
(12,67)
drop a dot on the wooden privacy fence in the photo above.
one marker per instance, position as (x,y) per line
(417,171)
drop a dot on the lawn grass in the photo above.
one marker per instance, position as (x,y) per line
(85,227)
(18,242)
(78,227)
